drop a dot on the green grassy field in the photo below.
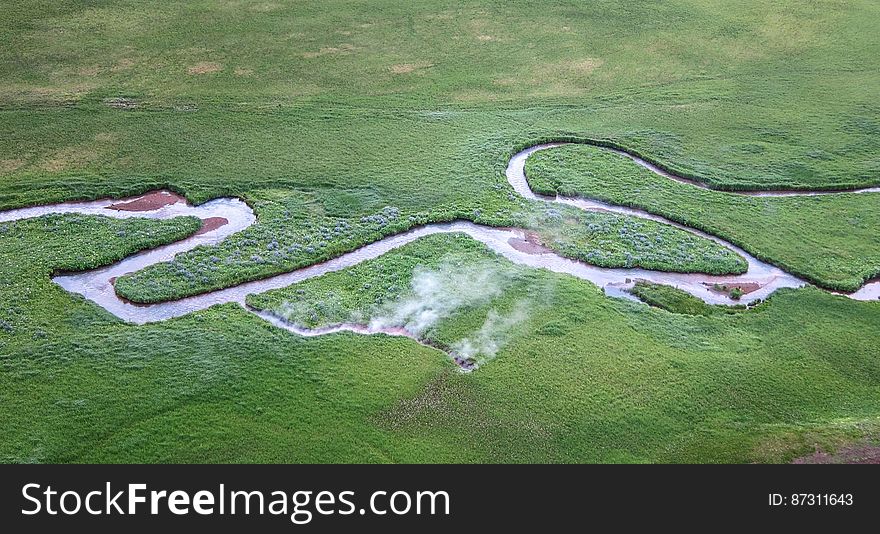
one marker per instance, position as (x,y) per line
(341,122)
(583,378)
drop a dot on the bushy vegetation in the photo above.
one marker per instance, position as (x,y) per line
(830,240)
(622,241)
(294,232)
(61,238)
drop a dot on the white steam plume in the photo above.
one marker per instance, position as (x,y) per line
(496,331)
(438,293)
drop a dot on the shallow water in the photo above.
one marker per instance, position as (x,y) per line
(96,285)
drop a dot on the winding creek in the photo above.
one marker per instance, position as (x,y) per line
(227,216)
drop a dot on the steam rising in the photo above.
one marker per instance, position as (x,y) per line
(435,294)
(438,293)
(494,334)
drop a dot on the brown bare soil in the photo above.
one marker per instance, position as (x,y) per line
(530,245)
(745,287)
(149,202)
(211,223)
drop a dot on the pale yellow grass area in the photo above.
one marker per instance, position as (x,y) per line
(248,5)
(561,89)
(69,158)
(565,78)
(106,137)
(443,15)
(344,48)
(788,32)
(739,51)
(39,94)
(476,95)
(81,155)
(406,68)
(691,106)
(204,67)
(91,70)
(484,30)
(580,66)
(10,165)
(123,64)
(265,7)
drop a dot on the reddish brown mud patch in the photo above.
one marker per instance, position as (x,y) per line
(853,454)
(148,202)
(531,244)
(745,287)
(212,223)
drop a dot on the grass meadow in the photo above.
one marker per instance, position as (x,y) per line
(342,122)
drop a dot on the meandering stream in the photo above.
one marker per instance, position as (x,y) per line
(96,285)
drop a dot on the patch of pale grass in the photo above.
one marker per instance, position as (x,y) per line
(406,68)
(123,64)
(70,158)
(61,93)
(91,70)
(10,165)
(344,48)
(204,67)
